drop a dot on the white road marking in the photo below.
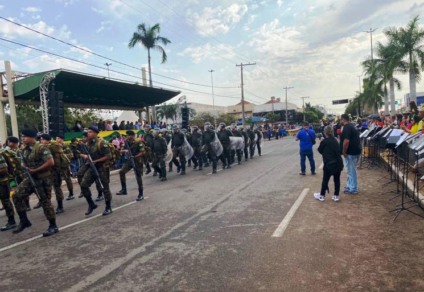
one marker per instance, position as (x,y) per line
(321,165)
(64,227)
(283,225)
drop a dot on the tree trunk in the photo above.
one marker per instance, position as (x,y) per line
(412,86)
(386,102)
(392,97)
(151,81)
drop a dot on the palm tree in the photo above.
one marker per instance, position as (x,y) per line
(410,42)
(148,37)
(167,111)
(375,83)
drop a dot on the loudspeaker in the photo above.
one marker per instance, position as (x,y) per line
(184,117)
(56,113)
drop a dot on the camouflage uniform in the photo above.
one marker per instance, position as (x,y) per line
(159,150)
(66,171)
(5,195)
(136,147)
(36,155)
(59,166)
(176,143)
(97,148)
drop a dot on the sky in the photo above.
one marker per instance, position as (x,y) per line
(313,46)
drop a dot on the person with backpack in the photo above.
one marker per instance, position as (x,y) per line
(38,162)
(5,193)
(135,151)
(333,164)
(61,162)
(66,170)
(98,151)
(306,136)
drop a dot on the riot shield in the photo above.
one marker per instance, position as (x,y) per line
(169,153)
(217,146)
(236,143)
(186,149)
(261,137)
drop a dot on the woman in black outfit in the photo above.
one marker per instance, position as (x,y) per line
(333,164)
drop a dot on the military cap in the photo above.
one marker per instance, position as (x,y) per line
(94,129)
(13,139)
(29,133)
(46,137)
(130,133)
(61,137)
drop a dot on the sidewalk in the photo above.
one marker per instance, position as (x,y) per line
(353,244)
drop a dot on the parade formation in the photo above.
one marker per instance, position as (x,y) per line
(37,164)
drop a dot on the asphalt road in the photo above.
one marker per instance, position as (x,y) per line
(198,232)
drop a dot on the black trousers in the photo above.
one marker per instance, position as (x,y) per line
(326,179)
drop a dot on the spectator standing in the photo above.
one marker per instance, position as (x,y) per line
(115,126)
(350,146)
(306,136)
(333,164)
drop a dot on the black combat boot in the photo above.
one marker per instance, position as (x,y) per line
(99,197)
(123,191)
(189,163)
(91,205)
(70,196)
(170,167)
(28,206)
(108,209)
(80,196)
(24,223)
(183,168)
(11,223)
(163,171)
(52,228)
(155,173)
(140,196)
(178,168)
(60,209)
(148,170)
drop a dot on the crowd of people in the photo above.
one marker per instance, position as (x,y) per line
(37,164)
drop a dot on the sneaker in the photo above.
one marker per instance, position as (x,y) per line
(313,173)
(336,198)
(302,173)
(319,197)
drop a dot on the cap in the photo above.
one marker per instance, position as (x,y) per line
(29,133)
(46,137)
(94,129)
(13,139)
(130,133)
(60,137)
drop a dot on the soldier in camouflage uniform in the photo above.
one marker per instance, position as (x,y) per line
(100,153)
(57,153)
(5,195)
(148,140)
(66,171)
(38,161)
(137,150)
(176,143)
(159,150)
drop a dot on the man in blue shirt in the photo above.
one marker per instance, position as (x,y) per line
(306,136)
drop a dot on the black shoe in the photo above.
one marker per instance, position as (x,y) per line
(314,173)
(70,198)
(99,198)
(22,225)
(107,211)
(195,167)
(182,172)
(228,166)
(59,211)
(155,174)
(163,179)
(178,169)
(28,209)
(214,171)
(302,173)
(80,196)
(170,169)
(200,168)
(8,226)
(122,192)
(38,205)
(245,159)
(206,164)
(90,209)
(239,162)
(50,231)
(140,198)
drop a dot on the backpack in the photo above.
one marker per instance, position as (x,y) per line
(59,157)
(114,152)
(13,162)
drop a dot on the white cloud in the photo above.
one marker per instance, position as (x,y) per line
(103,26)
(31,9)
(67,3)
(209,52)
(11,31)
(1,7)
(46,62)
(280,3)
(218,20)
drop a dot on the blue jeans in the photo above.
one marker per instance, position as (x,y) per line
(352,178)
(310,155)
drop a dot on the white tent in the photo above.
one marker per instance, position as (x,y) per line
(127,116)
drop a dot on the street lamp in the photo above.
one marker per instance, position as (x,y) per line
(213,95)
(372,60)
(107,65)
(287,118)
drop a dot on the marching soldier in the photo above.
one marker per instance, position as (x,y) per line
(258,132)
(99,152)
(224,138)
(38,161)
(177,142)
(159,150)
(66,171)
(5,195)
(196,143)
(148,139)
(208,137)
(135,151)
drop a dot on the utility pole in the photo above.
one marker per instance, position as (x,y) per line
(372,61)
(242,90)
(107,65)
(213,97)
(272,101)
(287,116)
(303,106)
(359,96)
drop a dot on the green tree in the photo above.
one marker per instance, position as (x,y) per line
(28,116)
(167,111)
(227,119)
(409,42)
(86,116)
(201,118)
(148,37)
(272,117)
